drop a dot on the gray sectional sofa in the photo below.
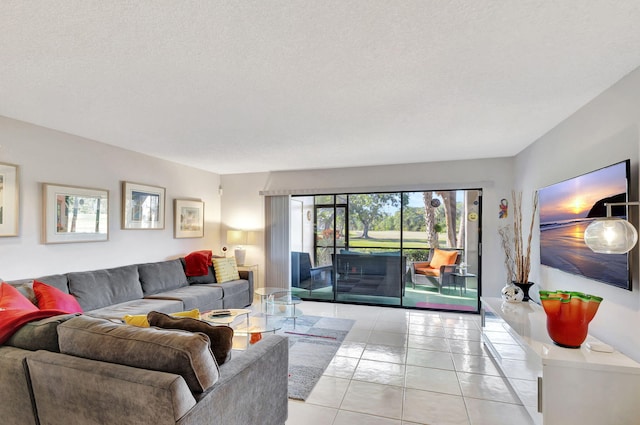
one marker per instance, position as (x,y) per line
(44,381)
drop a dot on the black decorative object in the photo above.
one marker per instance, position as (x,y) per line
(525,289)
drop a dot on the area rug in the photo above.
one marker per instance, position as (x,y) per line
(439,306)
(312,344)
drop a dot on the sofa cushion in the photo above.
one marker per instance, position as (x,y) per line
(194,296)
(101,288)
(140,306)
(220,337)
(40,334)
(234,287)
(162,276)
(210,277)
(183,353)
(225,269)
(51,297)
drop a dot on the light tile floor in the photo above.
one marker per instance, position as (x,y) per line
(407,367)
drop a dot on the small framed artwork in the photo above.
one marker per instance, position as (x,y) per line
(74,214)
(9,202)
(142,206)
(189,219)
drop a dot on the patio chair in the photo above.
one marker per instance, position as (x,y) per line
(304,276)
(437,271)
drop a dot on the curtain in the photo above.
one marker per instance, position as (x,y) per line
(277,254)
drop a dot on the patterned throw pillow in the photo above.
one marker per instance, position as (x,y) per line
(226,269)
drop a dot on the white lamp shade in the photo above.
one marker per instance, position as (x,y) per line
(236,237)
(610,235)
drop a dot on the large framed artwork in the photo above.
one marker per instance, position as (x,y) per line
(189,219)
(74,214)
(142,206)
(9,203)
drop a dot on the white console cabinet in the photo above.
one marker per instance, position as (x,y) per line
(559,386)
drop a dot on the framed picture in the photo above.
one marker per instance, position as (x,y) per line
(9,203)
(74,214)
(189,219)
(142,206)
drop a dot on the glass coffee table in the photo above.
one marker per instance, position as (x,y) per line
(215,318)
(283,304)
(247,326)
(264,293)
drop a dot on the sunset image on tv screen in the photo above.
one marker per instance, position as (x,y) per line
(567,208)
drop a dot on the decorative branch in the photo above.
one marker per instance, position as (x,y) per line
(522,260)
(505,239)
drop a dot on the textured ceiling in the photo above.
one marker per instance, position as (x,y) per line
(246,86)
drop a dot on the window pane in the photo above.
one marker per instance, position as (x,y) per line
(324,199)
(374,220)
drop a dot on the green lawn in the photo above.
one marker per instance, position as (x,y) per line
(391,240)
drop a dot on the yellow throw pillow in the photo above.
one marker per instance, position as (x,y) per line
(226,269)
(141,319)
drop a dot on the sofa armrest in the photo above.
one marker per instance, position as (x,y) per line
(248,276)
(16,405)
(252,389)
(92,392)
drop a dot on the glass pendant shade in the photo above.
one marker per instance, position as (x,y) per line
(610,235)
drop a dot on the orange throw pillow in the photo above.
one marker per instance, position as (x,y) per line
(443,258)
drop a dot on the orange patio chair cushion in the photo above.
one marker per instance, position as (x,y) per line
(443,258)
(427,270)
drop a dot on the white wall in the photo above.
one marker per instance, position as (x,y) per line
(603,132)
(494,176)
(47,156)
(243,208)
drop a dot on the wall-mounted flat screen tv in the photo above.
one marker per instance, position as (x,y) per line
(567,208)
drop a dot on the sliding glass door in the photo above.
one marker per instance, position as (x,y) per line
(412,249)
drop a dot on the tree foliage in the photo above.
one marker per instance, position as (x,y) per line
(367,209)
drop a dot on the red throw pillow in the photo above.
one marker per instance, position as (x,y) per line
(50,297)
(10,297)
(16,310)
(197,263)
(12,319)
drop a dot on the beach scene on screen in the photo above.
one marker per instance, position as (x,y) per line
(566,209)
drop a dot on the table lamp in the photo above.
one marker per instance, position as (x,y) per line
(238,238)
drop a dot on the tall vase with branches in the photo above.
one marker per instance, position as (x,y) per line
(517,257)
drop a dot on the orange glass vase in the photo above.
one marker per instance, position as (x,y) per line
(255,337)
(569,315)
